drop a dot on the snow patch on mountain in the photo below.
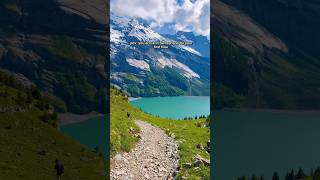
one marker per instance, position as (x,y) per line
(132,28)
(173,63)
(123,22)
(140,64)
(116,36)
(191,50)
(145,34)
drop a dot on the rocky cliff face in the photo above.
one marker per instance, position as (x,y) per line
(295,22)
(242,30)
(60,46)
(255,66)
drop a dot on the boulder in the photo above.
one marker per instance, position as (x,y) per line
(200,146)
(118,157)
(198,161)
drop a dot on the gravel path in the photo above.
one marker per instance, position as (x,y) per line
(154,157)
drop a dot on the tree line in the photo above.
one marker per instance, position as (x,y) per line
(25,98)
(291,175)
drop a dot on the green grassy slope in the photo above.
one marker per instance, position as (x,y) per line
(121,139)
(188,134)
(28,148)
(30,141)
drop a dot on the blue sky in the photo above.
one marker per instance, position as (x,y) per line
(180,2)
(168,16)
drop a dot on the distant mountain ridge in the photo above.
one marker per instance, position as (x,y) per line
(179,70)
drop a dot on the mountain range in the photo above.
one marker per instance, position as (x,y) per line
(59,46)
(142,70)
(265,54)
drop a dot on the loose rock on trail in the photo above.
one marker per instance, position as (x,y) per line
(155,156)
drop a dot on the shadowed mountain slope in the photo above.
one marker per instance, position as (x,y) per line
(60,46)
(254,67)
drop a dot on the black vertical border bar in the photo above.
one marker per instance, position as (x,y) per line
(107,69)
(212,156)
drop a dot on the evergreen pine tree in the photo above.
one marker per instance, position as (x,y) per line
(275,176)
(316,175)
(254,178)
(287,177)
(300,174)
(291,175)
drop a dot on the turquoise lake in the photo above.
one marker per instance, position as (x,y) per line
(259,143)
(177,107)
(91,133)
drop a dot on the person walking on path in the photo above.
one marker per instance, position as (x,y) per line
(59,169)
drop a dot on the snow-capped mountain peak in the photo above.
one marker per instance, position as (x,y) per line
(139,64)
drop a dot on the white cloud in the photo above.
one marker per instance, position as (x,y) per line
(189,16)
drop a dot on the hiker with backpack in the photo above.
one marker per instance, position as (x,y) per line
(59,169)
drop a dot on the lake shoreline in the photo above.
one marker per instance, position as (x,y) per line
(136,98)
(71,118)
(174,107)
(287,111)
